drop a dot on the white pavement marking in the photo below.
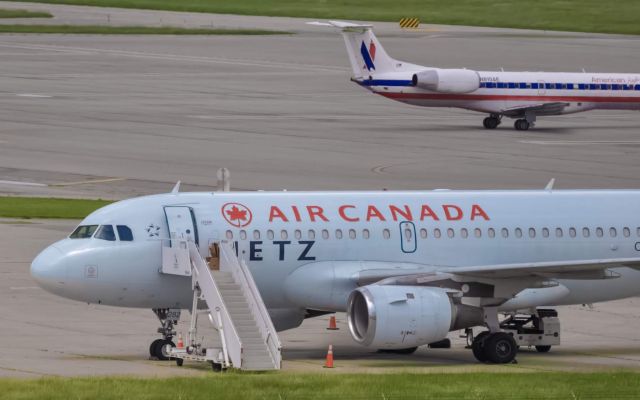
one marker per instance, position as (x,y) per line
(578,142)
(175,57)
(23,287)
(36,95)
(20,183)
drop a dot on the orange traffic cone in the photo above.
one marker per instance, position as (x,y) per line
(332,324)
(329,361)
(180,342)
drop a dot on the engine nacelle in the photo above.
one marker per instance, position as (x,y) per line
(447,80)
(396,317)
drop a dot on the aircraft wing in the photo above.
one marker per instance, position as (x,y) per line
(584,269)
(537,109)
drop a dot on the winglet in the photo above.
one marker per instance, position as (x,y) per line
(549,186)
(176,188)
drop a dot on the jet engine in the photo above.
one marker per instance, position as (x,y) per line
(400,317)
(447,80)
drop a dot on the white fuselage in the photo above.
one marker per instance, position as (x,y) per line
(307,249)
(500,91)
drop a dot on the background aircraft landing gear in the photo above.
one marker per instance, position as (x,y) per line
(168,317)
(491,122)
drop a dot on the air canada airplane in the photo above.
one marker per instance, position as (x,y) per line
(407,266)
(520,95)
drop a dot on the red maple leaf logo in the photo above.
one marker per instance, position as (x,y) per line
(236,214)
(372,50)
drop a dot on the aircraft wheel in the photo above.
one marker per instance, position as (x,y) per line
(160,351)
(491,123)
(477,347)
(152,347)
(500,348)
(522,125)
(543,349)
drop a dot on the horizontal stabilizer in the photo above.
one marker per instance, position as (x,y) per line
(345,26)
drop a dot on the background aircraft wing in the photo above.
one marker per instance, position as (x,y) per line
(537,109)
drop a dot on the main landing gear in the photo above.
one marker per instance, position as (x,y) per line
(494,347)
(492,121)
(168,317)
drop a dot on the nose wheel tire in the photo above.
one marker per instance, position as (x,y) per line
(160,349)
(491,122)
(496,348)
(522,125)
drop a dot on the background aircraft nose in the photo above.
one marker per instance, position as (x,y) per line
(46,268)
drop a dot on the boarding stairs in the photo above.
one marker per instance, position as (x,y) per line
(224,290)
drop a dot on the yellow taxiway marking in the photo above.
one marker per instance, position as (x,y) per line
(88,182)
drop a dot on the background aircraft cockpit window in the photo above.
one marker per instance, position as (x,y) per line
(83,232)
(106,232)
(124,232)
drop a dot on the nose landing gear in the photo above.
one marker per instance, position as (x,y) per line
(168,317)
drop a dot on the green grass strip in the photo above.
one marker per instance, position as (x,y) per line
(23,14)
(35,207)
(621,16)
(130,30)
(333,385)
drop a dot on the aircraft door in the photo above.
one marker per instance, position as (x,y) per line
(181,223)
(541,88)
(408,242)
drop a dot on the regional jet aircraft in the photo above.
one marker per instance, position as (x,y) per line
(407,266)
(519,95)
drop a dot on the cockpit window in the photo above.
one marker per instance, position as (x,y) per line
(83,232)
(125,233)
(105,232)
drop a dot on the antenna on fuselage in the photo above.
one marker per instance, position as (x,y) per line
(224,180)
(176,188)
(549,186)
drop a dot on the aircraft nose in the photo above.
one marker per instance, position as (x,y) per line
(47,269)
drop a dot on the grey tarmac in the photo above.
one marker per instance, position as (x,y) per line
(115,117)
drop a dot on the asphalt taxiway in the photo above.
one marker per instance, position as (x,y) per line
(114,117)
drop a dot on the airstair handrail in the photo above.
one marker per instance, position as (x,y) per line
(211,292)
(243,277)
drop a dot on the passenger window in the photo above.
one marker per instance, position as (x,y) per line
(532,233)
(613,232)
(545,232)
(270,234)
(559,232)
(599,232)
(518,233)
(229,235)
(638,231)
(505,233)
(105,232)
(436,233)
(572,232)
(352,233)
(325,234)
(298,234)
(477,232)
(284,235)
(464,233)
(86,231)
(338,234)
(124,232)
(243,235)
(365,233)
(386,234)
(491,232)
(585,232)
(626,232)
(450,233)
(311,234)
(423,233)
(256,234)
